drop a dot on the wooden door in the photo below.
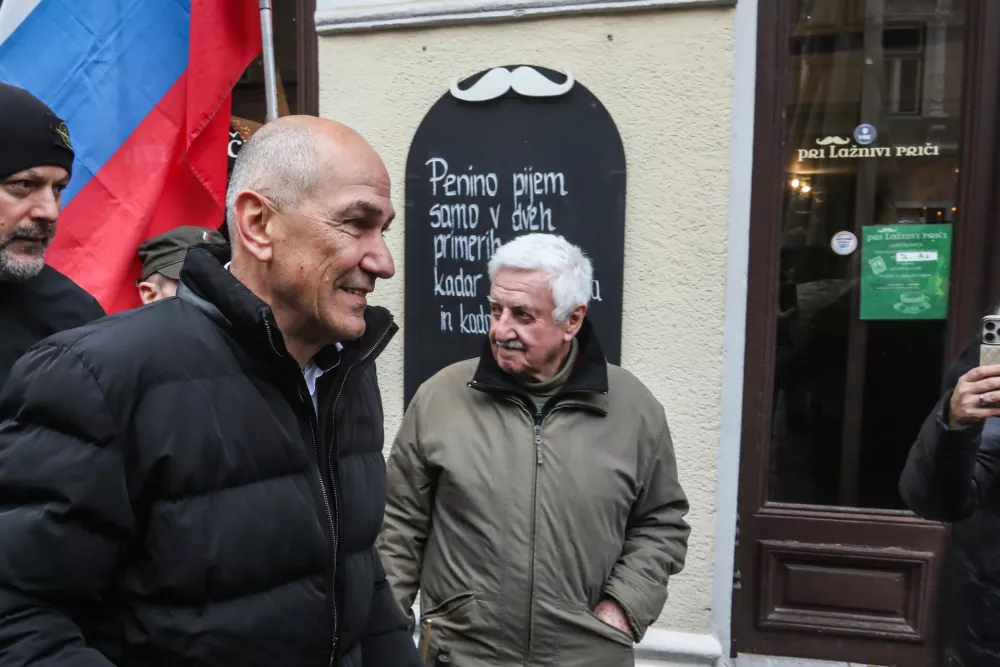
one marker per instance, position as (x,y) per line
(830,564)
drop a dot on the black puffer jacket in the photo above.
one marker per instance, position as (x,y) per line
(161,501)
(33,309)
(952,475)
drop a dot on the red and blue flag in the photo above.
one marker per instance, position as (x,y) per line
(145,88)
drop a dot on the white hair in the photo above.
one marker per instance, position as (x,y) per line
(568,268)
(280,161)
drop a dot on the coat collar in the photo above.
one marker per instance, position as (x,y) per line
(587,385)
(208,285)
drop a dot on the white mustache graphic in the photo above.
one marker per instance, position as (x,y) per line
(524,80)
(826,141)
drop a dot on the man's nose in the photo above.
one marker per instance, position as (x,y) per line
(45,205)
(502,329)
(378,260)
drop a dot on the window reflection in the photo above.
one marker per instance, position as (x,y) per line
(871,139)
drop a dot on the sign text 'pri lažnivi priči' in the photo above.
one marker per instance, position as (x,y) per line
(837,148)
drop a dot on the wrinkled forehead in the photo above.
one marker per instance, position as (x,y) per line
(341,196)
(521,288)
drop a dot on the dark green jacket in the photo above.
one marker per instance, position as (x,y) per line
(514,524)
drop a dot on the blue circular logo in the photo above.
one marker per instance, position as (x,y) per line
(865,134)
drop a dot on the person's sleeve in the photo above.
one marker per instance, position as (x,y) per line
(407,512)
(387,640)
(64,508)
(655,540)
(939,480)
(94,310)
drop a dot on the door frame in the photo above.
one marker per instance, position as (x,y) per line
(764,527)
(307,57)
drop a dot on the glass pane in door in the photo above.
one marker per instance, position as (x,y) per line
(871,167)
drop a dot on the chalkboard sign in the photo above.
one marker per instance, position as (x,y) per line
(526,149)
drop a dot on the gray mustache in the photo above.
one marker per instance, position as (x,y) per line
(524,80)
(42,233)
(510,344)
(826,141)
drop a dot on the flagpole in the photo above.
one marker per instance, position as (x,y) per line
(267,41)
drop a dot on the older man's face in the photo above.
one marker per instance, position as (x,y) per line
(525,339)
(29,211)
(330,250)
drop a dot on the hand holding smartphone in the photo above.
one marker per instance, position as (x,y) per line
(989,341)
(977,394)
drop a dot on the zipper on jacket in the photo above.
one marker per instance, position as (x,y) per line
(333,480)
(534,515)
(326,502)
(552,406)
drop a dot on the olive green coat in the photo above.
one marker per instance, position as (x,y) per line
(514,524)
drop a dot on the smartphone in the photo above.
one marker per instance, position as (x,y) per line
(989,341)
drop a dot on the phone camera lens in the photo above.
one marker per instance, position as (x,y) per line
(990,326)
(990,337)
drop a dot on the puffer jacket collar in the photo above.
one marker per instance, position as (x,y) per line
(587,384)
(206,283)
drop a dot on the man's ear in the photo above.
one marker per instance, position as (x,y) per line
(147,292)
(574,322)
(253,218)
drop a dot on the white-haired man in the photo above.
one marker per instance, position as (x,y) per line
(200,481)
(533,492)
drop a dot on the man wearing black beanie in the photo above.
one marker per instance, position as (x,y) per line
(36,160)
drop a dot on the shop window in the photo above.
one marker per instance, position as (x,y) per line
(872,143)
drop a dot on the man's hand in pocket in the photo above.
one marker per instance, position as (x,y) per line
(611,613)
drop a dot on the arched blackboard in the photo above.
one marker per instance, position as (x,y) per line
(480,173)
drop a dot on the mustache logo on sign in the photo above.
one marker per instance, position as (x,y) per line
(524,81)
(826,141)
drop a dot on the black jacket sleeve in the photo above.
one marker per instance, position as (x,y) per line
(64,508)
(385,639)
(951,471)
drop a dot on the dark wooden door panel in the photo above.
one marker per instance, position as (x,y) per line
(827,582)
(840,585)
(845,590)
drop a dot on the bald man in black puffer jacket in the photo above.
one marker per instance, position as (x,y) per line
(200,481)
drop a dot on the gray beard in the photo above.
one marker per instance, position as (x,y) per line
(18,270)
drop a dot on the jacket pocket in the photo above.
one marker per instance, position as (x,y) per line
(456,608)
(607,631)
(453,621)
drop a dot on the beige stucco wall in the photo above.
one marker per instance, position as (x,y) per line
(666,78)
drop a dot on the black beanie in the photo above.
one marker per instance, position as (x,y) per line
(31,135)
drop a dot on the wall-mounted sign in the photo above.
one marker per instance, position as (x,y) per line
(905,272)
(508,151)
(844,243)
(838,148)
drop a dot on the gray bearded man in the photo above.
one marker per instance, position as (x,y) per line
(36,162)
(533,492)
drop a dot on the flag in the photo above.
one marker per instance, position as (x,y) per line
(145,87)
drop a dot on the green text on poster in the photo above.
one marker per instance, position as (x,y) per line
(904,272)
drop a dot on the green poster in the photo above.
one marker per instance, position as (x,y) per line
(904,272)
